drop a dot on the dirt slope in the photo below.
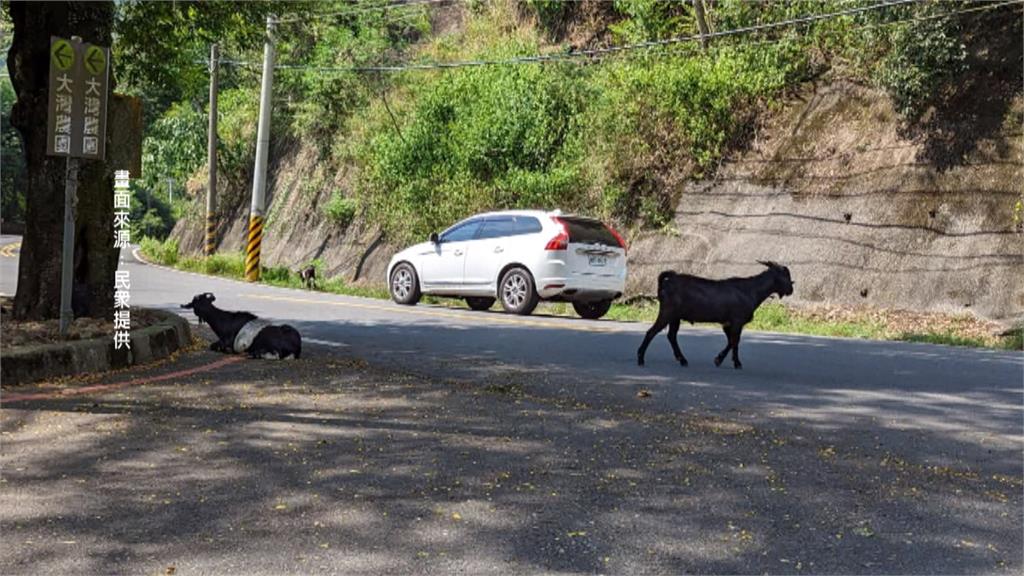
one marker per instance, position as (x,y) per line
(296,230)
(861,213)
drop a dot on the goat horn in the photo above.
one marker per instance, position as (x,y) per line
(767,263)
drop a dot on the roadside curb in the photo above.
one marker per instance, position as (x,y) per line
(35,363)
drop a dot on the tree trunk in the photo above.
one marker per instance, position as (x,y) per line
(28,62)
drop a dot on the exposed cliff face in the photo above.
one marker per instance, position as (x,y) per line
(297,230)
(861,213)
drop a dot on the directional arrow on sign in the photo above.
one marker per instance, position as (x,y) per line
(95,60)
(63,54)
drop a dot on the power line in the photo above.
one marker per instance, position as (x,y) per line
(601,52)
(985,6)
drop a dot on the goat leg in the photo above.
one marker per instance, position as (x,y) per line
(673,330)
(734,341)
(659,325)
(728,346)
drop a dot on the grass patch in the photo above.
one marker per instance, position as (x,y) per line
(941,338)
(232,265)
(776,317)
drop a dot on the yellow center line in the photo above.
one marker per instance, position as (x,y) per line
(474,317)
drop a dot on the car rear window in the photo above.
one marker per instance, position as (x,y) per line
(587,231)
(499,226)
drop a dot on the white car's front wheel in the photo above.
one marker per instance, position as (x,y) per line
(405,286)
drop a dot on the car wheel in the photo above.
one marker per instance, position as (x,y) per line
(480,303)
(405,287)
(592,310)
(518,296)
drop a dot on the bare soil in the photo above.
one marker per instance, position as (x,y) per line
(17,333)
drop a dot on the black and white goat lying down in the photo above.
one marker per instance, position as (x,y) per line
(244,332)
(731,303)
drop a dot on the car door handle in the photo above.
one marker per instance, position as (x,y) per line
(458,252)
(498,249)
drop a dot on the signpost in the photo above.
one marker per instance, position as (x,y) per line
(76,128)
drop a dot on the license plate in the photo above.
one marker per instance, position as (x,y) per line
(598,260)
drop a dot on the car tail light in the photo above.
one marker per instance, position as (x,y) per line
(622,242)
(561,240)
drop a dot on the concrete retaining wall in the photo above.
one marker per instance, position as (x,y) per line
(35,363)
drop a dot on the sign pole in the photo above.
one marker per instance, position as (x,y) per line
(259,178)
(68,250)
(67,257)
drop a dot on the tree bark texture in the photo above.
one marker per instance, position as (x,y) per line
(702,23)
(28,61)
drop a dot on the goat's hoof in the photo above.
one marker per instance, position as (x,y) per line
(640,362)
(737,366)
(683,362)
(718,361)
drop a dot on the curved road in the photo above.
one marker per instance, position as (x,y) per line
(946,405)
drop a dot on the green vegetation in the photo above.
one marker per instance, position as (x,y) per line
(613,137)
(922,56)
(340,210)
(12,169)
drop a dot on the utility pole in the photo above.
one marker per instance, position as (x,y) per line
(259,179)
(211,146)
(702,23)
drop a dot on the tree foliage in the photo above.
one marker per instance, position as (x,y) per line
(162,47)
(12,170)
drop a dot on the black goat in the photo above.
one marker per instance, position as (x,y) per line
(730,303)
(244,332)
(308,275)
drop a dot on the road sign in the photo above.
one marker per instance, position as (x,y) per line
(62,54)
(77,114)
(95,60)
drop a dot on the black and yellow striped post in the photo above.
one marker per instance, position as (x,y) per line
(252,250)
(211,235)
(259,177)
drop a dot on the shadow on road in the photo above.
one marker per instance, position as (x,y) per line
(328,464)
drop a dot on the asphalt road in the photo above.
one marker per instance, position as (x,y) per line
(927,478)
(956,398)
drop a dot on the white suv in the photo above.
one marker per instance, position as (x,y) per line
(519,256)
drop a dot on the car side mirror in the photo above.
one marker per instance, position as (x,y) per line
(434,239)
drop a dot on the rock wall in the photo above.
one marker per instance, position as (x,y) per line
(860,213)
